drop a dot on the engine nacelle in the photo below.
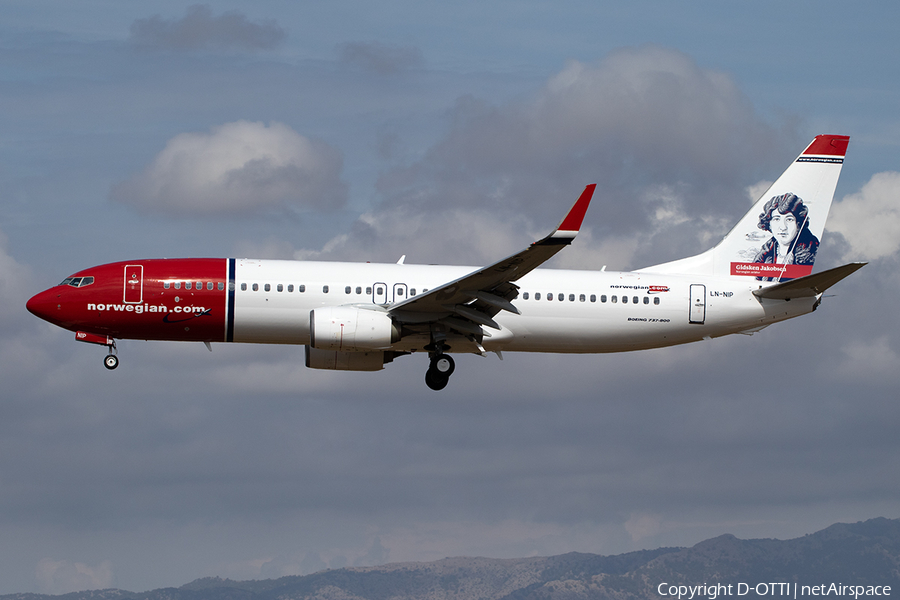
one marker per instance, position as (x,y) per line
(347,361)
(350,329)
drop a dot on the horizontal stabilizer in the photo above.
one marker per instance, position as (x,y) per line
(808,286)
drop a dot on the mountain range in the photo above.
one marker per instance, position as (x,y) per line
(865,555)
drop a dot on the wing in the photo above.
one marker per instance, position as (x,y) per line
(808,286)
(466,304)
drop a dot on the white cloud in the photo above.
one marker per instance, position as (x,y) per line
(455,235)
(756,191)
(640,526)
(15,281)
(869,359)
(643,115)
(65,576)
(662,137)
(656,102)
(238,167)
(870,219)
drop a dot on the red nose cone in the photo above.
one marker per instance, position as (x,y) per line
(45,305)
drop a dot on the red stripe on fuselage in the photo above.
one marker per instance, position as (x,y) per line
(178,314)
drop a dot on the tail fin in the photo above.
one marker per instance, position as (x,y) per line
(777,240)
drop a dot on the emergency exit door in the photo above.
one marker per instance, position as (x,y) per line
(698,304)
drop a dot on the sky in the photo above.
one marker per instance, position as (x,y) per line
(452,133)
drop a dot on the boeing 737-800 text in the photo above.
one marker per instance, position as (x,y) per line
(361,316)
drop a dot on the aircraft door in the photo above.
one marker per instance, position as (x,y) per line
(698,304)
(399,292)
(379,293)
(134,284)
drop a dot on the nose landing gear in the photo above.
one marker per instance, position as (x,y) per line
(439,371)
(110,361)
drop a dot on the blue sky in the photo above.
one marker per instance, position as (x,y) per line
(450,133)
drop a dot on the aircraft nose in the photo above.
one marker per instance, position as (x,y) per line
(44,305)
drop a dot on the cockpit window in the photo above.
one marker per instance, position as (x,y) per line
(77,281)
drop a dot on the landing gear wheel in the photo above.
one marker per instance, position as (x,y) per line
(442,364)
(439,371)
(111,361)
(435,380)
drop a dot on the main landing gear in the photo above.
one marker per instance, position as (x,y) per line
(439,371)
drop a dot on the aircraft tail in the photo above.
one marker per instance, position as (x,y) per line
(777,240)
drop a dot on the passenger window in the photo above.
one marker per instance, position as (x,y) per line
(602,298)
(561,297)
(581,298)
(537,295)
(656,300)
(221,285)
(231,286)
(324,289)
(165,285)
(347,290)
(268,287)
(379,290)
(634,299)
(188,285)
(255,287)
(572,298)
(359,290)
(243,287)
(290,287)
(525,296)
(177,285)
(550,296)
(301,288)
(280,288)
(646,299)
(209,286)
(368,290)
(624,299)
(412,291)
(613,299)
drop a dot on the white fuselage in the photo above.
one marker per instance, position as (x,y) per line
(590,311)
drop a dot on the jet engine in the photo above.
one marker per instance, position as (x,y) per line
(351,329)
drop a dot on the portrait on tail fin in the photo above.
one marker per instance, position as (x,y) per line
(778,239)
(792,243)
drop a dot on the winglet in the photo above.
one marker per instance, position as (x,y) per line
(572,221)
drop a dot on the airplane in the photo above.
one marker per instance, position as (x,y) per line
(362,316)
